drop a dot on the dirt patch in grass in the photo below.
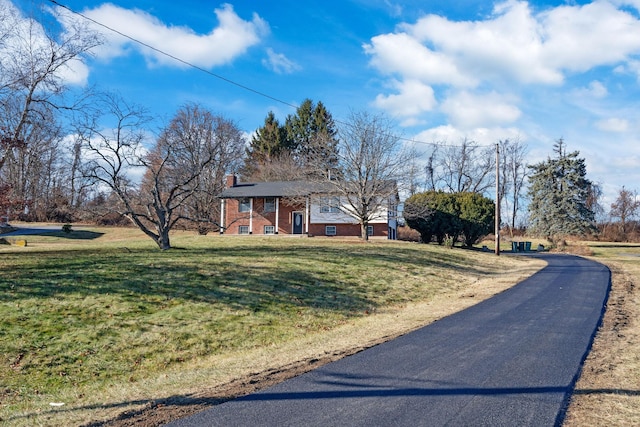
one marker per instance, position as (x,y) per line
(162,411)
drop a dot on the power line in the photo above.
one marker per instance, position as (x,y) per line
(175,58)
(218,76)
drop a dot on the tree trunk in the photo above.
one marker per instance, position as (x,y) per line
(363,231)
(163,240)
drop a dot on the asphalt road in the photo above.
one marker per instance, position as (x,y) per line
(511,360)
(30,231)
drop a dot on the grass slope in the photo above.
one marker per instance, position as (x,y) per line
(101,321)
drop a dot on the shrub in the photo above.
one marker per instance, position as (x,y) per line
(446,216)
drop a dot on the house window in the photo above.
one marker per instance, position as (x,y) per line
(369,230)
(330,230)
(269,229)
(244,205)
(243,229)
(329,204)
(269,204)
(393,211)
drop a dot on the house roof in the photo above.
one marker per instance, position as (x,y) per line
(283,189)
(270,189)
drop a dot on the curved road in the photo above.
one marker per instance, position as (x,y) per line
(510,360)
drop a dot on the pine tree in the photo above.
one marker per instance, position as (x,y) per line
(303,146)
(312,134)
(559,192)
(267,145)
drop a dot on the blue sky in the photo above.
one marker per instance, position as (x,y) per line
(443,70)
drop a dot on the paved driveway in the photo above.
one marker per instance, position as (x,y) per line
(509,361)
(30,231)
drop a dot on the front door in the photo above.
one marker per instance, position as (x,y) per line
(297,222)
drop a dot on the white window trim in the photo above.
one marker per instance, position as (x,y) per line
(241,204)
(326,230)
(243,227)
(277,214)
(273,229)
(330,204)
(274,204)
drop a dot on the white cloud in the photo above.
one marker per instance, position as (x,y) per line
(516,44)
(595,90)
(578,38)
(26,37)
(230,39)
(279,63)
(633,3)
(413,98)
(616,125)
(402,54)
(631,67)
(512,48)
(394,8)
(507,45)
(469,110)
(448,134)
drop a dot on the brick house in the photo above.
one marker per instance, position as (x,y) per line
(295,207)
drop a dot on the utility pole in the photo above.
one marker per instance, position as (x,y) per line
(497,220)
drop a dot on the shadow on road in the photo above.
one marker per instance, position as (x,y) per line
(202,403)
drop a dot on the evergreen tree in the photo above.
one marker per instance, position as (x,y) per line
(305,144)
(559,193)
(449,216)
(312,134)
(299,126)
(325,144)
(477,214)
(267,145)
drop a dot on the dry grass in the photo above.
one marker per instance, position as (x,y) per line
(608,391)
(62,285)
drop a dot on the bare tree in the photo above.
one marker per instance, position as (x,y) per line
(35,62)
(111,153)
(281,167)
(32,165)
(625,207)
(180,171)
(211,144)
(467,167)
(372,162)
(513,171)
(430,171)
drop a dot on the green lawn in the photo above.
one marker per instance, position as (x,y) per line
(85,312)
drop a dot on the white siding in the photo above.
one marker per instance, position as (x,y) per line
(317,217)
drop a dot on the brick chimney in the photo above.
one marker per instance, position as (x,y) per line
(231,181)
